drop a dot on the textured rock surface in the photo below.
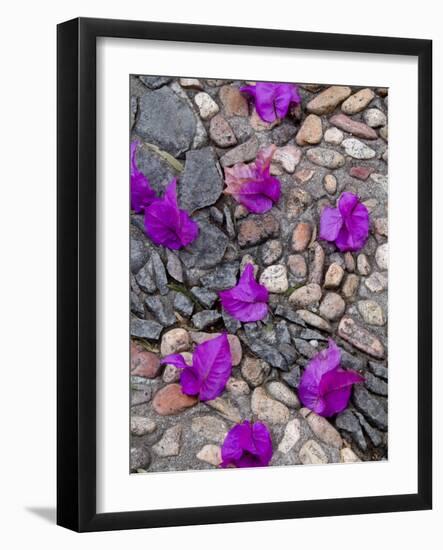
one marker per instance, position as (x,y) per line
(335,141)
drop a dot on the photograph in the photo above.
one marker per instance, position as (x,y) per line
(259,273)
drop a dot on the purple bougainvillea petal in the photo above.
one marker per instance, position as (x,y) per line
(248,300)
(213,364)
(272,99)
(247,445)
(190,381)
(335,388)
(347,225)
(324,387)
(142,195)
(251,184)
(174,359)
(210,370)
(166,224)
(330,223)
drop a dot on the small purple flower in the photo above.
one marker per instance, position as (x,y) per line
(348,225)
(210,370)
(325,388)
(166,224)
(272,99)
(252,185)
(142,193)
(247,445)
(248,300)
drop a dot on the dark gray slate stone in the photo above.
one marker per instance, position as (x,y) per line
(145,278)
(174,266)
(150,330)
(310,334)
(292,378)
(201,183)
(204,296)
(305,348)
(289,314)
(158,171)
(372,407)
(183,305)
(154,82)
(222,278)
(161,308)
(374,435)
(378,369)
(207,250)
(283,133)
(166,120)
(282,333)
(288,352)
(159,273)
(230,229)
(139,252)
(137,304)
(348,422)
(216,215)
(375,384)
(205,318)
(255,340)
(231,324)
(349,361)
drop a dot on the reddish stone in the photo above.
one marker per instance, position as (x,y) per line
(234,344)
(360,172)
(360,338)
(143,363)
(358,129)
(171,400)
(257,229)
(234,103)
(301,236)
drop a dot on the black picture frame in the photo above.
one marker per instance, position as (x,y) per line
(76,265)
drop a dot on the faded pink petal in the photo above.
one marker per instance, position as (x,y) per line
(166,224)
(325,388)
(248,300)
(247,445)
(252,185)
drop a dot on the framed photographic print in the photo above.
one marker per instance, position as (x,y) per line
(244,274)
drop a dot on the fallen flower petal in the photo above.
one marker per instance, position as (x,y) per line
(325,387)
(210,370)
(247,445)
(272,99)
(166,224)
(142,193)
(248,300)
(347,225)
(252,185)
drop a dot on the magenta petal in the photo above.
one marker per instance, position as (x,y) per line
(272,99)
(259,196)
(190,381)
(324,387)
(335,388)
(213,363)
(175,359)
(142,194)
(166,224)
(247,445)
(352,231)
(330,223)
(248,300)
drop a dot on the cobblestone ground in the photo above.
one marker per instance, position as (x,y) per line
(336,141)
